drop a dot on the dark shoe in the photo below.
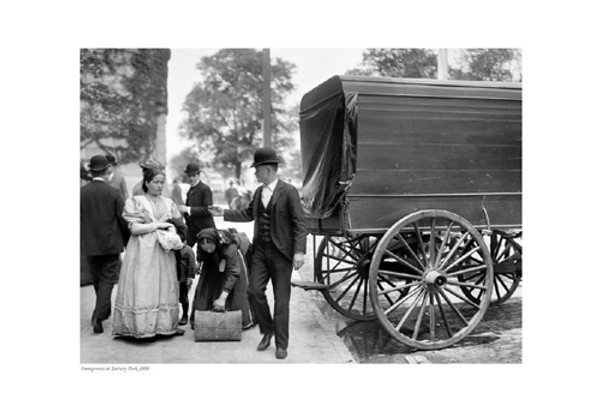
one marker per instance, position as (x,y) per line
(281,353)
(265,342)
(183,321)
(179,332)
(249,326)
(97,325)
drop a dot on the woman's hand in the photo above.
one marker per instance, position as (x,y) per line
(219,304)
(162,225)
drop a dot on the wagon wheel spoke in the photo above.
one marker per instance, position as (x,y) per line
(462,298)
(467,270)
(400,302)
(466,284)
(346,252)
(443,245)
(342,280)
(462,258)
(444,318)
(400,274)
(432,243)
(421,244)
(340,296)
(356,294)
(420,317)
(396,288)
(409,310)
(365,297)
(405,263)
(456,311)
(431,317)
(412,253)
(453,251)
(384,292)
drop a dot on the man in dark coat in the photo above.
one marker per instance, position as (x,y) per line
(279,246)
(103,235)
(195,210)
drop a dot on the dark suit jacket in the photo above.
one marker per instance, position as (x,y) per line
(118,181)
(199,198)
(288,227)
(103,230)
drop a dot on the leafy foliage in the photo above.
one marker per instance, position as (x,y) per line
(398,62)
(122,91)
(224,111)
(473,64)
(491,64)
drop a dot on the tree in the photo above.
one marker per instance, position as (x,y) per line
(224,110)
(490,64)
(122,92)
(398,62)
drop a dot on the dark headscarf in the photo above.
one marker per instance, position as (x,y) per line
(212,235)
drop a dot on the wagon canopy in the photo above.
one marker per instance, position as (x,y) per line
(328,144)
(372,141)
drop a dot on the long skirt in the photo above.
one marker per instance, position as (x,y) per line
(147,302)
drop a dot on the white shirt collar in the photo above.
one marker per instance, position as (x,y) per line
(98,179)
(272,185)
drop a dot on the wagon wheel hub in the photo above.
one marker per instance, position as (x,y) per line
(363,267)
(434,278)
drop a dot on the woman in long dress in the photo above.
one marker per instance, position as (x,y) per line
(223,284)
(147,302)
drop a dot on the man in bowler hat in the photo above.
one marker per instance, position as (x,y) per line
(198,199)
(103,235)
(279,246)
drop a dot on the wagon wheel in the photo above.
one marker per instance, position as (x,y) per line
(434,314)
(343,264)
(506,256)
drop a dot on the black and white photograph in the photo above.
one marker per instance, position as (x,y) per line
(316,204)
(397,238)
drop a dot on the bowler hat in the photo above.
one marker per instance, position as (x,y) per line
(98,163)
(191,169)
(264,156)
(111,159)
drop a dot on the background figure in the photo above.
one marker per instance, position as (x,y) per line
(195,210)
(103,235)
(147,302)
(279,245)
(114,178)
(176,193)
(231,194)
(223,284)
(186,269)
(149,164)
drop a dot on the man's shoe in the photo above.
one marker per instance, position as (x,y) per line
(281,353)
(265,342)
(183,321)
(179,332)
(97,325)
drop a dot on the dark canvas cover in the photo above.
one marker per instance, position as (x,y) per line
(328,144)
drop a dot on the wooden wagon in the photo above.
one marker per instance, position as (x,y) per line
(415,188)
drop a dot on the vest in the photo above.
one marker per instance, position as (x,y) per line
(264,221)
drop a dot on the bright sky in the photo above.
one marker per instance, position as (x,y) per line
(313,66)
